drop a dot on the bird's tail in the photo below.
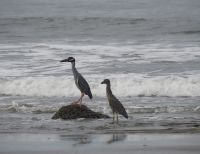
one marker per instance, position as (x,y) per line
(125,114)
(90,95)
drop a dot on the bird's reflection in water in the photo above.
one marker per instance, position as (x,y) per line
(77,139)
(82,141)
(116,137)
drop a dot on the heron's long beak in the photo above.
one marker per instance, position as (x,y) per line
(64,60)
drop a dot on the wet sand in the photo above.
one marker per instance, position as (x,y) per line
(139,143)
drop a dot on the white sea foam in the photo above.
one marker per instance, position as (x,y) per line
(27,108)
(122,85)
(40,109)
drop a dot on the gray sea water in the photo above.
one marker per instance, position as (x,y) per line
(149,49)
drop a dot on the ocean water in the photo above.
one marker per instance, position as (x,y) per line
(149,49)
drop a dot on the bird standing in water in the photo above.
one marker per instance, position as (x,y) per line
(80,82)
(115,104)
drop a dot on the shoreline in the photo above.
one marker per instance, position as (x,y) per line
(151,143)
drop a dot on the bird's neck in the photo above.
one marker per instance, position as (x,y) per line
(74,68)
(108,90)
(73,64)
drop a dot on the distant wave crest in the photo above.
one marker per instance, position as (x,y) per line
(188,32)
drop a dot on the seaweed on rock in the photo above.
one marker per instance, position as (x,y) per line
(75,111)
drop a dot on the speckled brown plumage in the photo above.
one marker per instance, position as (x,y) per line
(115,104)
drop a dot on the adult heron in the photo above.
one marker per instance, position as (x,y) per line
(80,81)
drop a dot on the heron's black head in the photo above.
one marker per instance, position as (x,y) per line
(106,81)
(69,59)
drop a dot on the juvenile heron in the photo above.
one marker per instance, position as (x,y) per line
(80,82)
(114,103)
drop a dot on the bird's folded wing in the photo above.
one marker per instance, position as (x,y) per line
(83,85)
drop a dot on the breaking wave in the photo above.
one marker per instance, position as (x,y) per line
(46,109)
(122,85)
(27,108)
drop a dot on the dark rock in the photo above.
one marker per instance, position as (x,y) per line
(75,111)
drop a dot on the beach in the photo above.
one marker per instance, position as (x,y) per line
(101,136)
(104,143)
(148,49)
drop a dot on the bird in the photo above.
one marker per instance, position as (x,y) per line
(80,81)
(115,104)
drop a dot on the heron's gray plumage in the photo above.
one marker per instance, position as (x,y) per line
(80,81)
(82,84)
(114,103)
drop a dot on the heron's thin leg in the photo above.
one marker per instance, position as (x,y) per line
(81,98)
(113,117)
(76,102)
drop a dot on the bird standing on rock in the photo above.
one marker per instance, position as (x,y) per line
(114,103)
(80,81)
